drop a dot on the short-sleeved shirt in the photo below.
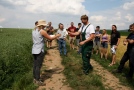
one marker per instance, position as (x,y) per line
(130,46)
(49,30)
(72,29)
(97,38)
(63,33)
(78,36)
(114,37)
(90,30)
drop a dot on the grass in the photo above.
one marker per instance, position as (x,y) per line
(16,59)
(75,77)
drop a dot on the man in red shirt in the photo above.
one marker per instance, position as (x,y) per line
(72,29)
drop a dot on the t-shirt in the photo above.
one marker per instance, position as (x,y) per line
(130,46)
(90,29)
(78,36)
(63,33)
(96,37)
(72,29)
(49,30)
(114,37)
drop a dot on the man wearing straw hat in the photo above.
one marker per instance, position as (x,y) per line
(38,36)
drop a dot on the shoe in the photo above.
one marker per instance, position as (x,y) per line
(129,78)
(116,71)
(110,65)
(34,81)
(86,73)
(65,55)
(40,83)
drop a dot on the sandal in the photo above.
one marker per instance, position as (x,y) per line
(110,64)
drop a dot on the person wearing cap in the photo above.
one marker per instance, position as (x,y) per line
(87,32)
(128,55)
(38,35)
(62,39)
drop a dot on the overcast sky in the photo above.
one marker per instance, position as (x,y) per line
(24,13)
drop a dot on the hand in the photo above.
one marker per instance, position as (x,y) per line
(64,38)
(68,32)
(82,43)
(57,38)
(102,41)
(130,41)
(58,35)
(115,46)
(124,43)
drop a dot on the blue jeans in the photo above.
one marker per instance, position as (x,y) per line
(62,45)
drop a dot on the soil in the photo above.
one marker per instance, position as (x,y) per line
(108,79)
(53,76)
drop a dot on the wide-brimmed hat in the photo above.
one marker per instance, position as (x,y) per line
(42,22)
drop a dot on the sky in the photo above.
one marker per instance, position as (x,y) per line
(103,13)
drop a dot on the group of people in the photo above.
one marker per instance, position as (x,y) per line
(86,39)
(101,41)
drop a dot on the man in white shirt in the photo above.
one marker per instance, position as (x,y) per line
(87,32)
(62,39)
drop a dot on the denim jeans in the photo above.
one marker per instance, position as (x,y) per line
(62,45)
(37,63)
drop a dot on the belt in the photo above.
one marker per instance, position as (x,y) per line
(61,38)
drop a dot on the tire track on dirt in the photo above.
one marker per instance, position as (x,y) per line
(53,76)
(108,79)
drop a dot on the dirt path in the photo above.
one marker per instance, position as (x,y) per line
(53,75)
(108,79)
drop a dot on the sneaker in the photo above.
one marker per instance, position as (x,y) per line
(34,81)
(40,83)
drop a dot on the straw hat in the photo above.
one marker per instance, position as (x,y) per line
(42,22)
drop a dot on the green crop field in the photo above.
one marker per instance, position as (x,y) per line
(16,59)
(122,32)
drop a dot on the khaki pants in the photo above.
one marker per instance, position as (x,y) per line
(72,40)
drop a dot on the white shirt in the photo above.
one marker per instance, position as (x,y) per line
(90,29)
(63,33)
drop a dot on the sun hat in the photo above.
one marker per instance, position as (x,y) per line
(42,22)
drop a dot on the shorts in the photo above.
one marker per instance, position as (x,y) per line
(77,42)
(113,50)
(104,45)
(49,40)
(71,40)
(96,45)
